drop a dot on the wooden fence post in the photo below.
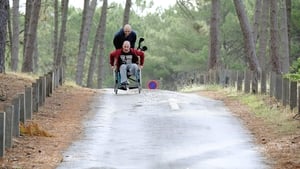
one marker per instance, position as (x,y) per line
(2,134)
(202,79)
(254,82)
(233,78)
(263,83)
(42,90)
(35,96)
(9,112)
(293,95)
(240,77)
(16,120)
(299,99)
(272,84)
(28,103)
(278,91)
(285,91)
(22,107)
(247,81)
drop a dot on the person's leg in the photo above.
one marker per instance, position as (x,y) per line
(123,73)
(133,69)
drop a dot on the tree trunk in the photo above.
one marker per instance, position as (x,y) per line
(32,34)
(249,42)
(84,15)
(98,44)
(4,8)
(29,4)
(15,37)
(35,56)
(60,47)
(126,12)
(274,38)
(289,16)
(263,34)
(257,18)
(102,47)
(9,34)
(214,35)
(285,57)
(248,36)
(84,42)
(55,32)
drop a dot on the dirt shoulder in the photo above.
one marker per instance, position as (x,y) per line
(51,130)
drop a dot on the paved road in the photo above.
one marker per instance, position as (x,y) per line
(162,130)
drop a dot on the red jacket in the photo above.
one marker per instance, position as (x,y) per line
(114,56)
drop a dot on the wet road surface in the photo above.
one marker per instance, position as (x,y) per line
(162,130)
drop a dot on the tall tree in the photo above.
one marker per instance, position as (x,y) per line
(60,45)
(248,36)
(274,46)
(263,34)
(214,35)
(248,40)
(29,4)
(100,78)
(98,46)
(284,39)
(84,15)
(126,12)
(31,36)
(84,41)
(55,31)
(4,8)
(289,16)
(15,36)
(257,18)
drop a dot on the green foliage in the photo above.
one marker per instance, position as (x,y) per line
(294,74)
(295,31)
(177,40)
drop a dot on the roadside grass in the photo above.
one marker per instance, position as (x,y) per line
(262,106)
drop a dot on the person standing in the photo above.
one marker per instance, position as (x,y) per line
(124,34)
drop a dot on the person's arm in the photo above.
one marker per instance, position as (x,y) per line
(117,38)
(111,59)
(141,57)
(133,39)
(115,41)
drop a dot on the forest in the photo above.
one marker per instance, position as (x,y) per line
(189,37)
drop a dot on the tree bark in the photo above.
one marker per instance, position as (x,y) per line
(101,74)
(263,34)
(55,32)
(289,16)
(274,49)
(257,18)
(32,34)
(4,8)
(284,39)
(249,43)
(248,36)
(214,35)
(84,42)
(62,38)
(15,37)
(98,46)
(126,12)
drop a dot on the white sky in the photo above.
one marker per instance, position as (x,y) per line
(79,3)
(157,3)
